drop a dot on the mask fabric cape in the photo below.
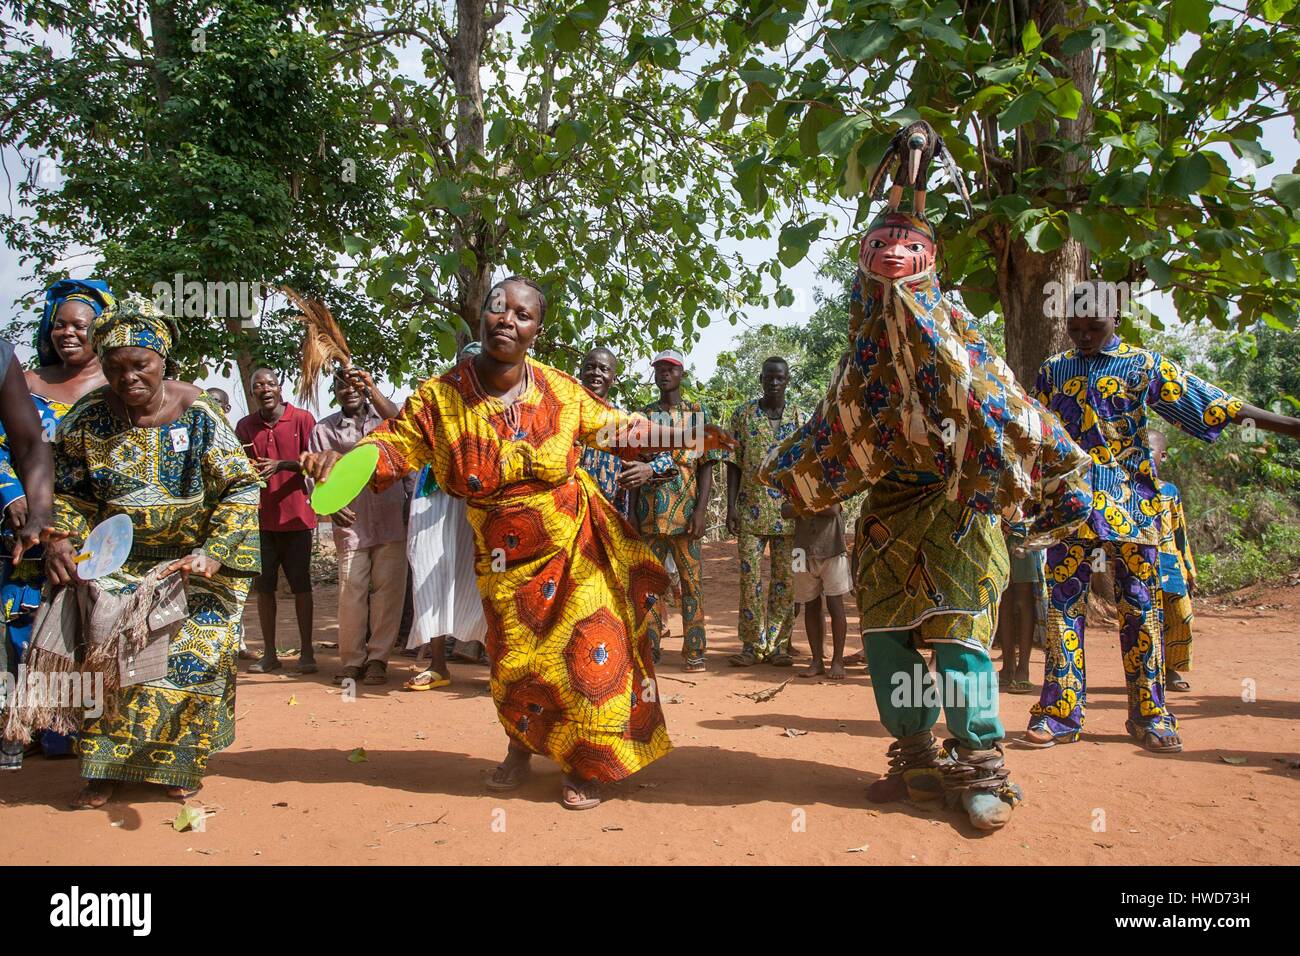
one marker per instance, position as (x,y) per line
(925,418)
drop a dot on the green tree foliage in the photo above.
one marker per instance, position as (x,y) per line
(564,144)
(215,140)
(1096,134)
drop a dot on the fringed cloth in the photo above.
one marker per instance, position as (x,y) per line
(110,632)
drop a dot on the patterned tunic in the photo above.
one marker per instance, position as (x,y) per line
(566,588)
(184,486)
(1103,401)
(931,422)
(759,506)
(605,467)
(666,509)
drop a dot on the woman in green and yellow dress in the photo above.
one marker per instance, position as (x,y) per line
(159,451)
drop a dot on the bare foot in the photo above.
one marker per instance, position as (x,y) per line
(182,793)
(816,669)
(837,670)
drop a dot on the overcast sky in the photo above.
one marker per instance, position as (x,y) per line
(718,336)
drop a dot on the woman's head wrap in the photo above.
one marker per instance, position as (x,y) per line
(136,322)
(94,292)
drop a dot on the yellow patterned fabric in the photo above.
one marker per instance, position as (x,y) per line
(185,486)
(566,589)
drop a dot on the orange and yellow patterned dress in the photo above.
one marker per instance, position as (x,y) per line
(566,585)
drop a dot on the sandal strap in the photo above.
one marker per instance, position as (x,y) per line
(967,770)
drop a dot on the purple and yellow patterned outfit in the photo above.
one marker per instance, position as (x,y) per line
(1103,401)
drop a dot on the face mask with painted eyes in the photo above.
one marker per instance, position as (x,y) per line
(893,250)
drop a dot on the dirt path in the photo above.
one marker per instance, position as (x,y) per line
(737,789)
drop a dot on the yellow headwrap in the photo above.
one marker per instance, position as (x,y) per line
(136,322)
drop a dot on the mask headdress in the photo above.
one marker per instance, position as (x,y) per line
(910,154)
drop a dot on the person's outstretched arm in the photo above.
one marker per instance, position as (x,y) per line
(31,456)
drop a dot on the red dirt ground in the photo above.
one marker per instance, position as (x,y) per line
(735,790)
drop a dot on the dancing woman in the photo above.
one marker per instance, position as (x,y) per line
(566,588)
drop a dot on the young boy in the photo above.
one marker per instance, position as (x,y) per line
(1018,618)
(821,569)
(1177,572)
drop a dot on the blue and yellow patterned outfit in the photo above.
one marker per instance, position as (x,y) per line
(1104,402)
(765,631)
(20,585)
(185,486)
(1177,574)
(202,495)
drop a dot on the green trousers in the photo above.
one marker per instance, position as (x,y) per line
(909,696)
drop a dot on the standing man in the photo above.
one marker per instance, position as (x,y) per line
(1102,390)
(673,515)
(619,480)
(754,517)
(369,535)
(274,435)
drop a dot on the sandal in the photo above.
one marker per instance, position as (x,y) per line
(183,793)
(94,795)
(745,658)
(508,777)
(854,659)
(1177,681)
(1020,687)
(586,792)
(1040,738)
(1157,741)
(348,673)
(694,666)
(781,660)
(426,680)
(264,666)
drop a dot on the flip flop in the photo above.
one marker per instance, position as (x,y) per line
(261,667)
(426,680)
(304,667)
(1153,740)
(1026,741)
(742,660)
(1179,683)
(588,792)
(1020,687)
(782,660)
(90,798)
(513,779)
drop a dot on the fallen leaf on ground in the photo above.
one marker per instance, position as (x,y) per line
(420,736)
(859,849)
(280,804)
(609,829)
(358,756)
(795,732)
(293,701)
(767,693)
(675,699)
(187,819)
(1235,761)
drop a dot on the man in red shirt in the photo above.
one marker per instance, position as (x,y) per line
(274,435)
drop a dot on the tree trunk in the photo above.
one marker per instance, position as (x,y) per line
(1026,279)
(466,61)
